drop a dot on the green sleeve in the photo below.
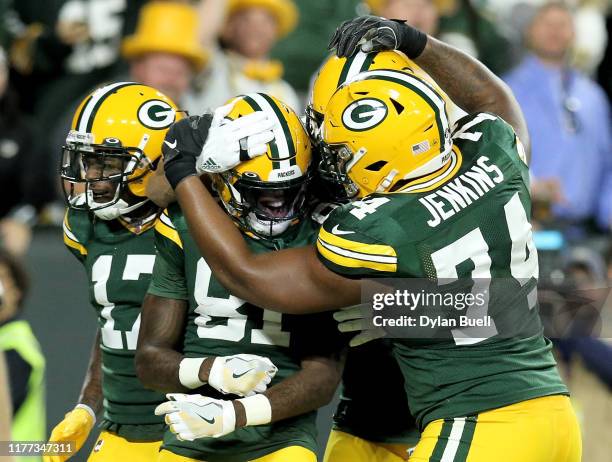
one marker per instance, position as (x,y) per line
(74,235)
(168,279)
(346,246)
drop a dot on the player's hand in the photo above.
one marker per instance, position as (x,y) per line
(243,375)
(358,318)
(75,427)
(373,33)
(196,416)
(230,142)
(182,145)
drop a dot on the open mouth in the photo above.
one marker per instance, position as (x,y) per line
(273,206)
(102,196)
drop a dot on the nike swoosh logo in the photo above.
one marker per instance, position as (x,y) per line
(339,232)
(171,145)
(237,376)
(208,421)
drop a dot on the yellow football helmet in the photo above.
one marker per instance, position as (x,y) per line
(336,71)
(383,129)
(267,194)
(115,140)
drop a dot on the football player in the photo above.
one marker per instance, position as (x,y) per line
(353,436)
(112,149)
(187,310)
(425,205)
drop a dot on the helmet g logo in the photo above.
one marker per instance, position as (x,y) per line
(364,114)
(156,114)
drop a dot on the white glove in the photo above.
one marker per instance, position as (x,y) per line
(242,375)
(358,318)
(230,142)
(197,416)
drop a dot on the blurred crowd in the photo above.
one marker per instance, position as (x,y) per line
(556,57)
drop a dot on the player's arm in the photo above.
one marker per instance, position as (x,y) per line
(91,391)
(158,189)
(161,331)
(466,80)
(78,423)
(289,281)
(306,390)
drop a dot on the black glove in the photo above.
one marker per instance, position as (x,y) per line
(373,33)
(182,146)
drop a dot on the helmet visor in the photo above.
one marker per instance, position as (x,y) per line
(94,176)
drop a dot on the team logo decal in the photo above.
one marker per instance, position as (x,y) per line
(364,114)
(156,114)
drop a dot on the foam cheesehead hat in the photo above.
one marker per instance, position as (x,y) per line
(166,27)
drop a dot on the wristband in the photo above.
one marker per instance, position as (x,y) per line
(88,409)
(189,372)
(412,41)
(257,409)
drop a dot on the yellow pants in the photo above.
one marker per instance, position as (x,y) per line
(290,454)
(538,430)
(112,448)
(343,447)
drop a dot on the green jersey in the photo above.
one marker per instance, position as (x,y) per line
(470,221)
(118,264)
(233,326)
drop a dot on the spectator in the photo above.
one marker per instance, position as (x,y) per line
(164,52)
(456,22)
(23,355)
(590,28)
(569,119)
(240,35)
(25,175)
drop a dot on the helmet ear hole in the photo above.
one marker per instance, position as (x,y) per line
(399,108)
(376,166)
